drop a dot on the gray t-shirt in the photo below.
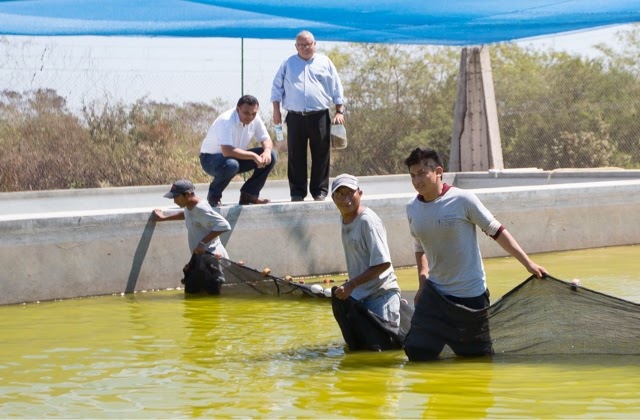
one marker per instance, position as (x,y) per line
(202,220)
(365,245)
(445,230)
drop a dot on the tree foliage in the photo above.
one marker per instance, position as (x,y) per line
(546,99)
(398,97)
(48,147)
(555,110)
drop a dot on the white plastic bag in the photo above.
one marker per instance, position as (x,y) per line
(338,136)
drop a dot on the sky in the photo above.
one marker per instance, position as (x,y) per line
(179,70)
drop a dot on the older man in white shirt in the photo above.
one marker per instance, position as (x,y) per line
(224,152)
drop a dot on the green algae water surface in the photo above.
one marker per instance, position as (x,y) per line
(161,355)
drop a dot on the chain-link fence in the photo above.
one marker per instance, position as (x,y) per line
(79,112)
(556,109)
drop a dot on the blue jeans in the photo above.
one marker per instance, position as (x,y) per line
(386,306)
(223,169)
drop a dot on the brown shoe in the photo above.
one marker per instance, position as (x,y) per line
(214,202)
(252,199)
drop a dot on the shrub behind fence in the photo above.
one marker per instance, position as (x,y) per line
(76,113)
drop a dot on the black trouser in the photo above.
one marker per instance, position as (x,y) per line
(313,130)
(204,274)
(361,328)
(460,323)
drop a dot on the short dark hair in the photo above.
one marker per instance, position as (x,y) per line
(249,100)
(430,157)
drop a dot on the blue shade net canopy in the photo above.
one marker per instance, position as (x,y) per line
(434,22)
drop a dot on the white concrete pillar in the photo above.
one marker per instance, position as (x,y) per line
(475,141)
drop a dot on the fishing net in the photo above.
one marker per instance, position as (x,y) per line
(202,275)
(365,330)
(538,317)
(243,280)
(552,316)
(361,328)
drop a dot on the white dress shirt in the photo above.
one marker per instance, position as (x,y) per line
(228,130)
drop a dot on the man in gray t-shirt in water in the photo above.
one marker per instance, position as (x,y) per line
(204,227)
(450,305)
(372,280)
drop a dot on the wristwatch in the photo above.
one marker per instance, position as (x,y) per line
(339,111)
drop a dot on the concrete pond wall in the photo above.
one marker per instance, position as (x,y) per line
(96,252)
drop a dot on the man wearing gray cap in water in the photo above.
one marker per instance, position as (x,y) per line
(372,280)
(204,227)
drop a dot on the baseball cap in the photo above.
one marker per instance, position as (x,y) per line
(180,187)
(344,180)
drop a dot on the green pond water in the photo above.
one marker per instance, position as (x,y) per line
(161,355)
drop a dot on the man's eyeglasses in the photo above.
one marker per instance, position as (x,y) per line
(305,45)
(339,195)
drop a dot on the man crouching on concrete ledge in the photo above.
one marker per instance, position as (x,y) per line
(367,307)
(204,227)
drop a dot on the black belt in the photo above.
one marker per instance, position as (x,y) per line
(303,113)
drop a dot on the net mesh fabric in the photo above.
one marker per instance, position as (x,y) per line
(539,317)
(242,280)
(552,317)
(364,330)
(361,328)
(203,275)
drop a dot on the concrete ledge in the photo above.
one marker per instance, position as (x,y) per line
(83,253)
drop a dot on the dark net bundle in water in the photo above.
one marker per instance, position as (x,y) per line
(243,280)
(539,317)
(362,329)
